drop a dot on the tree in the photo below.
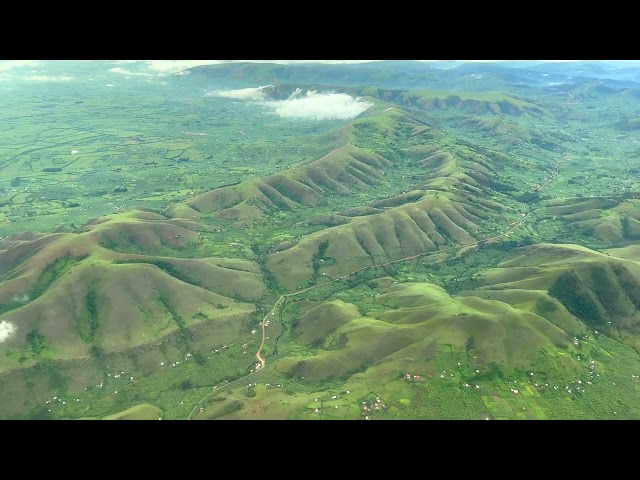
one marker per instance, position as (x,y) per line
(186,384)
(471,343)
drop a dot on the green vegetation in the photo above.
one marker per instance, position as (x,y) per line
(456,251)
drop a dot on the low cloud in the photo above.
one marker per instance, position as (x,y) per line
(6,329)
(7,65)
(322,106)
(310,105)
(124,71)
(249,94)
(35,78)
(48,78)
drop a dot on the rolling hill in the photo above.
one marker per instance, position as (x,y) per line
(465,247)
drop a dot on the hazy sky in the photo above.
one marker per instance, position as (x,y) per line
(150,70)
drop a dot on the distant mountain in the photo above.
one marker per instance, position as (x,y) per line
(385,74)
(399,66)
(620,71)
(256,74)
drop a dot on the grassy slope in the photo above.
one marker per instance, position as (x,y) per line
(79,295)
(518,327)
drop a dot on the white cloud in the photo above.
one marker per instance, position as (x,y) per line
(7,65)
(35,77)
(6,329)
(251,94)
(321,106)
(124,71)
(311,105)
(48,78)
